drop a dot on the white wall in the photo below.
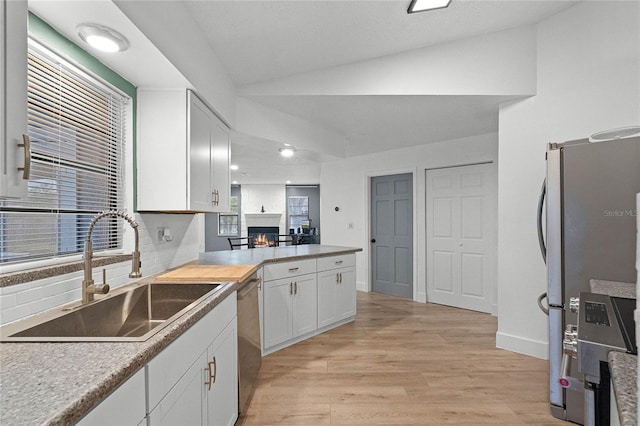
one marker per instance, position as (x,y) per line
(345,184)
(272,197)
(22,300)
(170,28)
(588,80)
(501,63)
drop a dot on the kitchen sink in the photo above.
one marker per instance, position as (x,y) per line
(133,314)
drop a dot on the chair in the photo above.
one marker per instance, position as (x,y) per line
(236,243)
(285,240)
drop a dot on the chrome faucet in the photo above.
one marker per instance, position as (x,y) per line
(88,286)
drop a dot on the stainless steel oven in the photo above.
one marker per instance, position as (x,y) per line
(605,324)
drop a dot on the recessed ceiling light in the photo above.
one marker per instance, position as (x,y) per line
(235,182)
(422,5)
(233,167)
(102,38)
(287,151)
(288,182)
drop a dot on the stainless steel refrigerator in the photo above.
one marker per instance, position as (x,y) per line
(590,234)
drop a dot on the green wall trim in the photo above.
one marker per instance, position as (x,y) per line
(47,35)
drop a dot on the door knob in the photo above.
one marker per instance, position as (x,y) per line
(373,240)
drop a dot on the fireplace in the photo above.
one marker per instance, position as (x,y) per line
(270,234)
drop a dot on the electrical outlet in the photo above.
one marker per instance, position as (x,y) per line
(350,225)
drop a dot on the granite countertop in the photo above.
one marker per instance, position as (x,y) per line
(624,376)
(58,383)
(613,288)
(259,256)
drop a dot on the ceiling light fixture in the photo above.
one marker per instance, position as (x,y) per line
(422,5)
(102,38)
(288,182)
(287,152)
(233,167)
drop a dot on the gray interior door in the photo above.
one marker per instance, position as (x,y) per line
(392,235)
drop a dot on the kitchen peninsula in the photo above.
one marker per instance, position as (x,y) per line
(59,383)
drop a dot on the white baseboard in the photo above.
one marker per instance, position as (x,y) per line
(362,286)
(522,345)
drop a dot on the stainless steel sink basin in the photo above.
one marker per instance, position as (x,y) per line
(129,315)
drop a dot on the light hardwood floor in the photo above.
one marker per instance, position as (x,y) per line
(402,362)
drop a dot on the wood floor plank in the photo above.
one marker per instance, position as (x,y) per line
(402,363)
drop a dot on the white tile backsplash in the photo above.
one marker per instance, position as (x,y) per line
(27,299)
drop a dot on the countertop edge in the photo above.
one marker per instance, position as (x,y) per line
(624,378)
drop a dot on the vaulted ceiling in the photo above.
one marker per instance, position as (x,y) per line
(266,41)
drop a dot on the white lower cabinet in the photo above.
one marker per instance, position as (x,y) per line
(336,289)
(125,406)
(207,394)
(336,295)
(183,405)
(222,373)
(302,298)
(290,308)
(194,380)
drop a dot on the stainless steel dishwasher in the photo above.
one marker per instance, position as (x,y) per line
(249,347)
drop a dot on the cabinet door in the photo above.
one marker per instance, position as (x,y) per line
(200,136)
(222,398)
(347,293)
(125,406)
(305,305)
(185,404)
(328,298)
(13,96)
(220,162)
(277,312)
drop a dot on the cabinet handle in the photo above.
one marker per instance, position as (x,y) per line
(291,288)
(339,262)
(212,373)
(295,287)
(337,278)
(215,368)
(26,144)
(208,381)
(293,269)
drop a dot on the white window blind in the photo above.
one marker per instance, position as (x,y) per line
(77,129)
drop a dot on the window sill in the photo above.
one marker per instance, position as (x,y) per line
(34,274)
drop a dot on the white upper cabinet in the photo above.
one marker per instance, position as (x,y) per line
(183,154)
(13,99)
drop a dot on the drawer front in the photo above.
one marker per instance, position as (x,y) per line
(275,271)
(334,262)
(166,368)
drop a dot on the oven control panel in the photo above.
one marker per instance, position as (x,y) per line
(596,313)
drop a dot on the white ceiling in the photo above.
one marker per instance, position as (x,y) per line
(259,41)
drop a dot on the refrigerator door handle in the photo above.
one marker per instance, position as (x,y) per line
(543,246)
(541,306)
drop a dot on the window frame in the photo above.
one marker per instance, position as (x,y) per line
(234,204)
(93,78)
